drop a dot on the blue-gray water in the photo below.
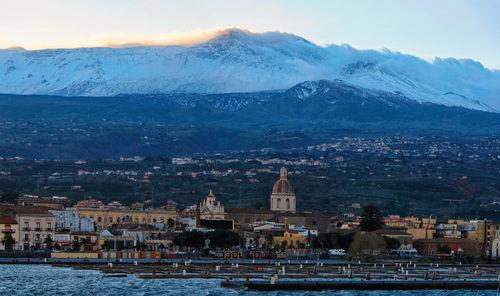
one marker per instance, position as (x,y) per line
(46,280)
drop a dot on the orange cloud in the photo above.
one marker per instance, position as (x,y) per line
(129,39)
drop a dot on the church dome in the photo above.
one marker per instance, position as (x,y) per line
(283,186)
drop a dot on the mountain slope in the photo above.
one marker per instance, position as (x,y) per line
(240,61)
(152,125)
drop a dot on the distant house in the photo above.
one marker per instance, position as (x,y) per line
(455,245)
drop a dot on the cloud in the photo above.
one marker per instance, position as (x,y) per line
(131,39)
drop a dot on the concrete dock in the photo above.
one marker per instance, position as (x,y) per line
(362,285)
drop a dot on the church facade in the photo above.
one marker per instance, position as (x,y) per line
(211,208)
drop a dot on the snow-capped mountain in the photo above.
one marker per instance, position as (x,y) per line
(240,61)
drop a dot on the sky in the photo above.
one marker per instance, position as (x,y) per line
(425,28)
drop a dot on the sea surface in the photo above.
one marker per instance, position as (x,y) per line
(47,280)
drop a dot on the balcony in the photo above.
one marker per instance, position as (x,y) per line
(8,231)
(26,228)
(38,229)
(48,229)
(26,239)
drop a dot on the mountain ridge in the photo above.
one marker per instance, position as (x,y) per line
(236,61)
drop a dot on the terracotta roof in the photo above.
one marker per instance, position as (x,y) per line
(7,220)
(27,210)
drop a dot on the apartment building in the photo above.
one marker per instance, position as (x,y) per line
(35,225)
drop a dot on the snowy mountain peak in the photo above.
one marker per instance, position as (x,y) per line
(237,60)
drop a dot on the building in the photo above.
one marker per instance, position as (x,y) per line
(71,221)
(35,225)
(291,238)
(62,240)
(249,216)
(308,220)
(8,226)
(86,240)
(90,203)
(283,194)
(456,246)
(491,228)
(495,246)
(106,217)
(211,208)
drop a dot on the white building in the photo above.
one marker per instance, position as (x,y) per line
(495,246)
(70,220)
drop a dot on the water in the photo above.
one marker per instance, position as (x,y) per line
(47,280)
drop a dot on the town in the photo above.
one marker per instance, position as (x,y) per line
(90,227)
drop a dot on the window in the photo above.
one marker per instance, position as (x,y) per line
(287,203)
(110,219)
(49,225)
(279,203)
(37,227)
(26,226)
(118,219)
(26,237)
(37,236)
(99,219)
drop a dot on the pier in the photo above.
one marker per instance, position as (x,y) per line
(362,285)
(318,275)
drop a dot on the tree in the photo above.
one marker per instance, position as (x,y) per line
(9,197)
(366,243)
(170,223)
(224,238)
(8,242)
(444,249)
(470,248)
(75,245)
(283,245)
(48,243)
(193,239)
(269,241)
(391,243)
(371,219)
